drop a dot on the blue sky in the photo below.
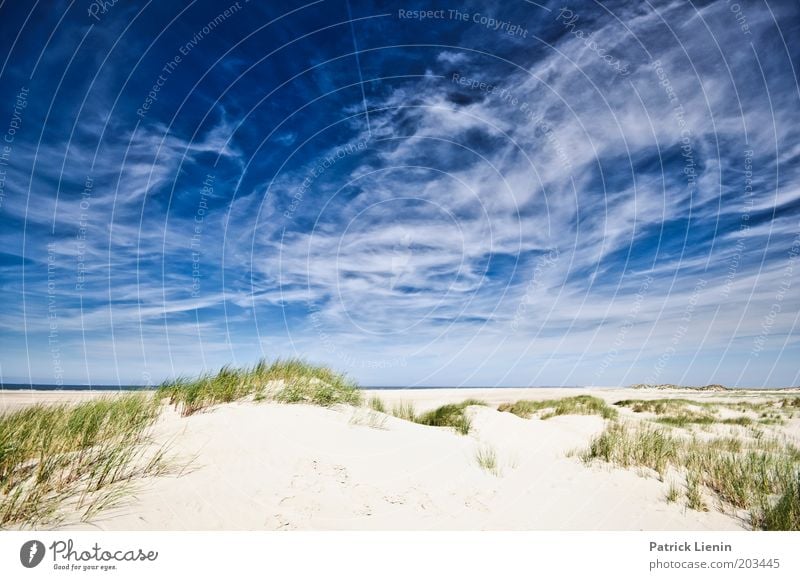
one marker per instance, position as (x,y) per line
(511,193)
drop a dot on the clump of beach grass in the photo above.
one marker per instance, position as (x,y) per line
(740,472)
(369,418)
(486,456)
(451,415)
(790,403)
(656,406)
(686,413)
(284,381)
(773,409)
(377,404)
(694,494)
(579,405)
(404,410)
(686,418)
(51,455)
(643,447)
(673,492)
(784,515)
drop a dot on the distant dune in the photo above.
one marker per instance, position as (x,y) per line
(667,386)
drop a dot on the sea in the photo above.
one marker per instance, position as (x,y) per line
(48,387)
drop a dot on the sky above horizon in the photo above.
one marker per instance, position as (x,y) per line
(475,194)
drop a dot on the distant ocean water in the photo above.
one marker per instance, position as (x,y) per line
(46,387)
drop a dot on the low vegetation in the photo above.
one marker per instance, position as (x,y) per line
(405,411)
(376,404)
(694,493)
(686,418)
(54,454)
(369,418)
(790,403)
(685,413)
(486,457)
(284,381)
(740,472)
(657,406)
(453,415)
(645,446)
(785,513)
(579,405)
(673,493)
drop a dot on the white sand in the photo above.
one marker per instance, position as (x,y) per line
(271,466)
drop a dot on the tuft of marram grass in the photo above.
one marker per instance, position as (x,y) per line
(784,515)
(673,493)
(685,412)
(694,494)
(285,381)
(790,402)
(404,410)
(377,404)
(743,473)
(643,447)
(452,415)
(369,418)
(579,405)
(51,455)
(685,418)
(486,457)
(657,406)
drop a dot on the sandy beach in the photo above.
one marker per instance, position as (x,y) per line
(270,466)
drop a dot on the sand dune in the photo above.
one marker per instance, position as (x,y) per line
(283,467)
(269,466)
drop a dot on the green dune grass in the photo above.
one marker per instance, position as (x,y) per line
(759,475)
(284,381)
(57,453)
(453,415)
(579,405)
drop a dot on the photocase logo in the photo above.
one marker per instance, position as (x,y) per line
(31,553)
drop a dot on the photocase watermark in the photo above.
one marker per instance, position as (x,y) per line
(31,553)
(680,332)
(80,237)
(622,332)
(775,308)
(744,225)
(687,151)
(543,264)
(197,232)
(7,146)
(52,316)
(488,22)
(569,20)
(67,557)
(540,126)
(321,166)
(738,13)
(100,8)
(171,66)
